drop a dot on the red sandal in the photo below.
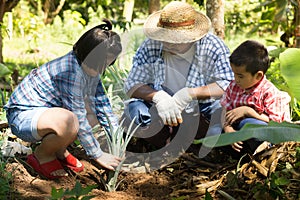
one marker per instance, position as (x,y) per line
(71,162)
(45,169)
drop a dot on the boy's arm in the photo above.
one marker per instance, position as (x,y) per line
(244,111)
(228,129)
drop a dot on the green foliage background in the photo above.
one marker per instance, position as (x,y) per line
(31,43)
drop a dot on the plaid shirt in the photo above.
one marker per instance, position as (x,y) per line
(210,64)
(62,83)
(264,98)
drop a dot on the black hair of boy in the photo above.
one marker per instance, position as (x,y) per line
(251,54)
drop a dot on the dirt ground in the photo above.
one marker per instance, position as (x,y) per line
(179,179)
(217,176)
(187,178)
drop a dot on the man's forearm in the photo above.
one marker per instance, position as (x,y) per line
(142,92)
(206,92)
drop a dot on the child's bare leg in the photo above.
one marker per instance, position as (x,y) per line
(59,128)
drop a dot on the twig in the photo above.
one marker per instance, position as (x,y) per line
(200,162)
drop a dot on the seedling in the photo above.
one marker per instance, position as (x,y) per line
(117,142)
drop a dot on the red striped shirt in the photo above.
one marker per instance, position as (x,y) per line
(263,98)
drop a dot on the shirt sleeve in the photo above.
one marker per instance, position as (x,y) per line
(141,71)
(223,71)
(277,105)
(71,87)
(226,100)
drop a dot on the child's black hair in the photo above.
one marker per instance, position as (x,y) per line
(251,54)
(93,46)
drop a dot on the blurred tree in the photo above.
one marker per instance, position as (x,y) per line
(48,8)
(279,15)
(297,29)
(5,6)
(51,8)
(50,11)
(215,11)
(154,5)
(128,10)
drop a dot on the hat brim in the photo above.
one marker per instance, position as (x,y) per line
(152,31)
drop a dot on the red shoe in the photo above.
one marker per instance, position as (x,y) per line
(71,162)
(45,169)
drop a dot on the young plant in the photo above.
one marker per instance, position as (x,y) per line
(5,179)
(78,192)
(117,142)
(6,176)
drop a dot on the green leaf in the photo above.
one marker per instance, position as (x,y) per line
(282,181)
(4,70)
(88,197)
(57,193)
(274,133)
(290,69)
(86,190)
(208,196)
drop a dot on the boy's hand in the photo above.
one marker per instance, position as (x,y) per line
(236,114)
(237,146)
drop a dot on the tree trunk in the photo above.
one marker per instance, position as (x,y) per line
(50,11)
(297,25)
(5,6)
(10,26)
(154,5)
(2,5)
(215,11)
(128,10)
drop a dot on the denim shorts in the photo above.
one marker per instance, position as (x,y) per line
(23,123)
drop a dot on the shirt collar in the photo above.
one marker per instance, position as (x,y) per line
(257,86)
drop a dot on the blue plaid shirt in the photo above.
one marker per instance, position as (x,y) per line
(210,64)
(63,83)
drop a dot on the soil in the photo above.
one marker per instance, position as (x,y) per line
(189,177)
(179,179)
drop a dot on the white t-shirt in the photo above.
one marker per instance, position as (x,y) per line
(177,68)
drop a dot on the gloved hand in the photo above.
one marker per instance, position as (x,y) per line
(182,98)
(167,108)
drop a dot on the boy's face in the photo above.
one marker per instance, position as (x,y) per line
(245,79)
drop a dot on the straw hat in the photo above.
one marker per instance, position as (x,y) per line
(178,22)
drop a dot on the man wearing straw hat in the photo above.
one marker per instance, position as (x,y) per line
(180,63)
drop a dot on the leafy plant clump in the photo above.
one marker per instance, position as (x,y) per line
(117,143)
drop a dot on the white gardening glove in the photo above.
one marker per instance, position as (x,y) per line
(182,98)
(167,108)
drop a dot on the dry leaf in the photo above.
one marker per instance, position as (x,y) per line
(271,159)
(261,169)
(209,186)
(273,166)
